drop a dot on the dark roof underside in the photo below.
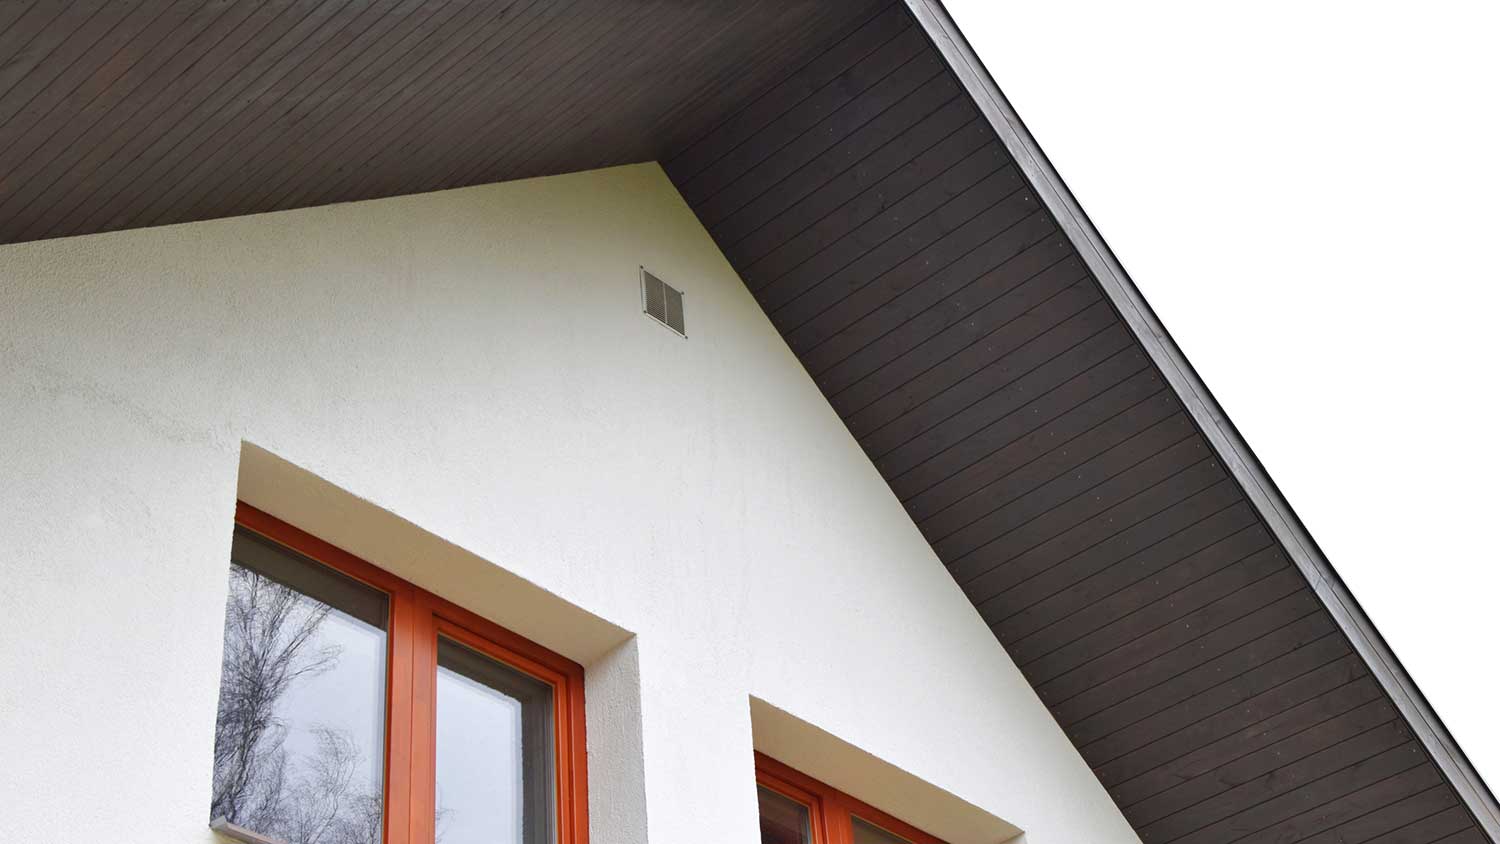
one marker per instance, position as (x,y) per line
(853,181)
(126,113)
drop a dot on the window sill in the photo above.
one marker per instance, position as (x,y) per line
(223,827)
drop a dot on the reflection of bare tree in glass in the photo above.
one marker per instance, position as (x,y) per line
(324,806)
(269,642)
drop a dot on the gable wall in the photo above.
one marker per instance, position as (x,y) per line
(474,362)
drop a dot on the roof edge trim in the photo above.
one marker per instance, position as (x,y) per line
(1206,412)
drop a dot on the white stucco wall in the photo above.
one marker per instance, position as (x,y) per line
(474,362)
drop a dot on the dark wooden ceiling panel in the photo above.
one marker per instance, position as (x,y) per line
(907,261)
(146,112)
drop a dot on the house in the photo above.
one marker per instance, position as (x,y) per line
(626,420)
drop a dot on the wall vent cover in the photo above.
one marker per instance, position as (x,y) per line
(662,302)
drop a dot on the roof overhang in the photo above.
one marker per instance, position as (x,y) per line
(1210,417)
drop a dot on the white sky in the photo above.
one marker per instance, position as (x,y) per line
(478,756)
(1306,193)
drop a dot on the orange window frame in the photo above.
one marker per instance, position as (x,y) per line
(831,812)
(417,619)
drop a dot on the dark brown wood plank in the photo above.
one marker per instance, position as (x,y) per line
(830,303)
(1012,258)
(1234,708)
(903,409)
(1002,402)
(1283,655)
(791,52)
(876,80)
(723,89)
(1455,820)
(920,79)
(1402,817)
(1184,575)
(878,214)
(1324,822)
(250,107)
(772,104)
(696,39)
(1036,352)
(1104,418)
(509,156)
(130,124)
(63,102)
(799,296)
(418,103)
(821,186)
(1165,513)
(869,72)
(179,145)
(1315,739)
(1099,453)
(55,45)
(501,86)
(321,62)
(983,311)
(1095,713)
(1206,758)
(657,115)
(1236,567)
(303,120)
(985,575)
(1167,654)
(20,22)
(137,159)
(1273,800)
(1034,516)
(45,152)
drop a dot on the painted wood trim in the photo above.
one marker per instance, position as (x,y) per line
(401,657)
(422,814)
(1207,413)
(793,784)
(832,811)
(417,618)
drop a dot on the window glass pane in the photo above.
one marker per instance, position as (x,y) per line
(299,744)
(868,833)
(494,751)
(782,819)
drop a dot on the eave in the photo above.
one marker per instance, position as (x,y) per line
(1210,418)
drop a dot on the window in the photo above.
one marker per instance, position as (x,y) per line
(354,708)
(797,809)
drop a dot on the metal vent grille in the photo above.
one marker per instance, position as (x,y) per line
(662,302)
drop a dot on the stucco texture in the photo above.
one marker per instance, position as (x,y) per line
(475,362)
